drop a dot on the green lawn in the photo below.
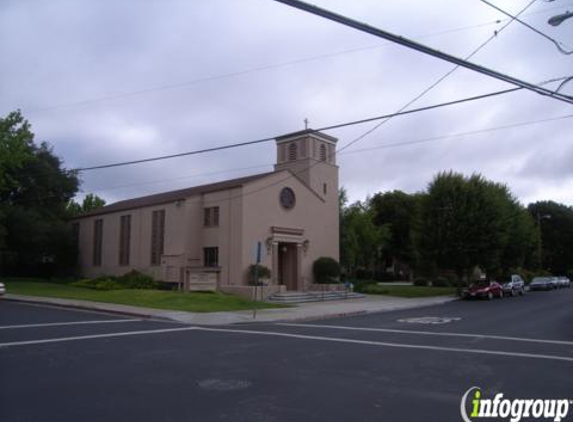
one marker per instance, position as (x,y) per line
(408,291)
(157,299)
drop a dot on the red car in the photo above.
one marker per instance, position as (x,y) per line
(483,289)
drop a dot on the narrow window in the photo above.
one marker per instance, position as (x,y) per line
(124,239)
(324,188)
(98,241)
(215,216)
(211,216)
(157,236)
(207,217)
(211,257)
(292,152)
(322,152)
(76,240)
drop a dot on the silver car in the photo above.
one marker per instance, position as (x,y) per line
(564,282)
(514,287)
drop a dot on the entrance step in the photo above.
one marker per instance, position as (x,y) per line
(304,297)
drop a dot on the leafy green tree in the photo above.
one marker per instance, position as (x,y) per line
(90,203)
(554,223)
(398,211)
(34,193)
(361,241)
(467,222)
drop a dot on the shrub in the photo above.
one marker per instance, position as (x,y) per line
(440,282)
(136,280)
(420,281)
(263,272)
(326,270)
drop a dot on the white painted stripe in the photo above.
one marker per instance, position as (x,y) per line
(432,333)
(57,324)
(396,345)
(94,336)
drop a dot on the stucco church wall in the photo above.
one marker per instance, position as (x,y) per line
(262,210)
(140,243)
(228,235)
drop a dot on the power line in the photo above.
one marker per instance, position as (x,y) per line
(322,129)
(346,152)
(558,44)
(460,134)
(423,48)
(186,84)
(437,82)
(357,151)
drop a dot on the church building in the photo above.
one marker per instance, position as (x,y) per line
(205,237)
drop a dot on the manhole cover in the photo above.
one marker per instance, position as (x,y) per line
(216,384)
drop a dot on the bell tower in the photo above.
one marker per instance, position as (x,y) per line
(311,156)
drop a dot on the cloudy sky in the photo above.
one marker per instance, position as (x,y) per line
(107,81)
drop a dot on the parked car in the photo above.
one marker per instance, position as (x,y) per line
(541,283)
(514,287)
(2,289)
(564,282)
(555,282)
(483,289)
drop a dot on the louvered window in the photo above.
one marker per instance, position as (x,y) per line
(292,152)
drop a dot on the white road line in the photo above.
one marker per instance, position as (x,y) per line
(396,345)
(57,324)
(93,336)
(432,333)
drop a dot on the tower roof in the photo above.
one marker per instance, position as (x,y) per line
(306,132)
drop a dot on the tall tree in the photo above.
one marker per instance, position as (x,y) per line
(397,210)
(555,230)
(469,221)
(361,241)
(34,194)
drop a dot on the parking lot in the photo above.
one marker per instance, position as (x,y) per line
(411,365)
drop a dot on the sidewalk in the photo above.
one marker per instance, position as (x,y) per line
(300,312)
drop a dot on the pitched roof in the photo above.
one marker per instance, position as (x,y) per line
(171,196)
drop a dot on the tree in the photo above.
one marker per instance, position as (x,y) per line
(90,203)
(398,211)
(467,222)
(555,231)
(361,241)
(34,193)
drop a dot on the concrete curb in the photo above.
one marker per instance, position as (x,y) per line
(92,307)
(218,318)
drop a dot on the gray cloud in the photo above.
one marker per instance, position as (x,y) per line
(63,52)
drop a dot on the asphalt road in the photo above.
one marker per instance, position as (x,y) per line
(411,365)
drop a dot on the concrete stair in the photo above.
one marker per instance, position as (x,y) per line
(304,297)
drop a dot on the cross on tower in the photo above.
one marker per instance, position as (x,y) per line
(305,123)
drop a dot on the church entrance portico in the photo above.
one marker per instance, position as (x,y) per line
(287,258)
(288,268)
